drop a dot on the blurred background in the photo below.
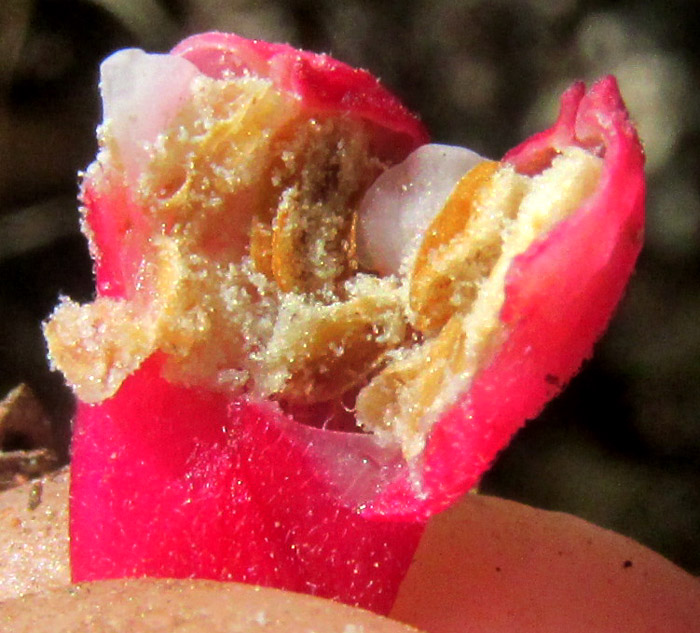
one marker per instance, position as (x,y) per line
(621,447)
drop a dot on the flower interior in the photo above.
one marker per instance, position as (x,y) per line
(269,249)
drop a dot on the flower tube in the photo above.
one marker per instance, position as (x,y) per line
(313,330)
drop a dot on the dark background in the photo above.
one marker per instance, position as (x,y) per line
(621,446)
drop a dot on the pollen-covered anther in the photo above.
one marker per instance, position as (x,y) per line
(458,249)
(98,345)
(320,352)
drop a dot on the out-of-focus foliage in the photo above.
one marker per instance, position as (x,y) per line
(622,446)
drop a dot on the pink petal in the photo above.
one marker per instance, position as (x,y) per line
(323,83)
(560,296)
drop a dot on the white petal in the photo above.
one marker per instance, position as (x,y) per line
(398,208)
(141,94)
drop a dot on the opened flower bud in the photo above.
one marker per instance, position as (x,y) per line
(313,330)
